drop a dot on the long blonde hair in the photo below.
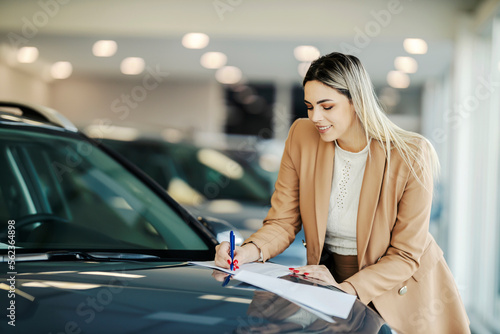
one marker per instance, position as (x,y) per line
(346,74)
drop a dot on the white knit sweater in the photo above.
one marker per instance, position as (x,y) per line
(348,174)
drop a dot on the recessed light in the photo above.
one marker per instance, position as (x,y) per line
(213,60)
(27,54)
(104,48)
(406,64)
(195,40)
(306,53)
(132,65)
(61,70)
(228,75)
(415,46)
(398,79)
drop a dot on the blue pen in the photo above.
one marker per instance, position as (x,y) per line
(231,241)
(226,281)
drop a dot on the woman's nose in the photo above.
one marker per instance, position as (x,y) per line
(315,115)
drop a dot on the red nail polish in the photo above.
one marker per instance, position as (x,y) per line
(235,261)
(228,261)
(306,273)
(237,267)
(291,268)
(296,271)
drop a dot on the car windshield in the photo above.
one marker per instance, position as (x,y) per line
(65,193)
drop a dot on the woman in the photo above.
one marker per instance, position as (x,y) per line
(361,188)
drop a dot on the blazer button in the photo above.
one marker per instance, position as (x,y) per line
(403,290)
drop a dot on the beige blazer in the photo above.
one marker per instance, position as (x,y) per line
(401,268)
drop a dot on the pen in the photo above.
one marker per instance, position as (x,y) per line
(226,281)
(231,252)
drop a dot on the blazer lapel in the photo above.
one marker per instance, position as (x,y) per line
(323,176)
(369,197)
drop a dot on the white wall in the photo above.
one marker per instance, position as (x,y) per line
(16,85)
(150,101)
(145,102)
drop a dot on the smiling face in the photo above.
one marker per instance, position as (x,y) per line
(333,115)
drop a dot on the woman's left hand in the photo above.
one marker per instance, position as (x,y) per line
(320,272)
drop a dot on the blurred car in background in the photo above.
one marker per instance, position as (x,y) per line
(211,183)
(90,244)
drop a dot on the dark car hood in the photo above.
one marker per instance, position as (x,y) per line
(90,297)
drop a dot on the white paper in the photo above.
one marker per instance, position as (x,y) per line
(320,315)
(330,302)
(268,269)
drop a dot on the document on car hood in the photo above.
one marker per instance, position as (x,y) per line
(268,269)
(330,302)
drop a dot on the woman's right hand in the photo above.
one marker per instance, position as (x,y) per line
(248,253)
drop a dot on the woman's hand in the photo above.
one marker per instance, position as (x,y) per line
(248,253)
(321,272)
(219,275)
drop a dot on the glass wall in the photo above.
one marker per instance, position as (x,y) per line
(461,116)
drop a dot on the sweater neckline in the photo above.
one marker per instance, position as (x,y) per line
(363,152)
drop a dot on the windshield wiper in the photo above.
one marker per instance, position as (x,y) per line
(80,255)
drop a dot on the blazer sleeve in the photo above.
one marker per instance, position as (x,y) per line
(408,238)
(283,221)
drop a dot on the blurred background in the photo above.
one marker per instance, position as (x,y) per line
(219,82)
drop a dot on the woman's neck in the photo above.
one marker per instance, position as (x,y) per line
(354,140)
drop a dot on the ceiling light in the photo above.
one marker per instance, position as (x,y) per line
(104,48)
(61,70)
(406,64)
(397,79)
(228,75)
(306,53)
(27,54)
(195,40)
(132,65)
(415,46)
(302,68)
(213,60)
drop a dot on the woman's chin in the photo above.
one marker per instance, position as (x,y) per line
(327,137)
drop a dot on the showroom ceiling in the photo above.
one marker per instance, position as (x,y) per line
(257,36)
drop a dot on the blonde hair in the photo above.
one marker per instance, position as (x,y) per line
(346,74)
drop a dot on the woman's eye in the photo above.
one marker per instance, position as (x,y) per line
(328,108)
(309,108)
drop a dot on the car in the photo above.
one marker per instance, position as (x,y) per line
(210,183)
(90,244)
